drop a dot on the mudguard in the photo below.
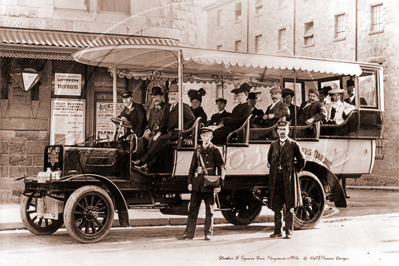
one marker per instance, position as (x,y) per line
(120,202)
(327,177)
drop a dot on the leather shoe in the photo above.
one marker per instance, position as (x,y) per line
(274,235)
(138,162)
(288,236)
(184,237)
(144,168)
(348,197)
(207,237)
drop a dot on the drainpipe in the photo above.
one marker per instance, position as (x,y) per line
(247,26)
(294,29)
(356,30)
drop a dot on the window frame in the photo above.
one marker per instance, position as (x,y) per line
(235,45)
(373,18)
(280,46)
(258,7)
(237,18)
(219,23)
(258,45)
(127,11)
(309,33)
(340,26)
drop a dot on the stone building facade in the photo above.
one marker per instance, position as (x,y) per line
(362,30)
(41,35)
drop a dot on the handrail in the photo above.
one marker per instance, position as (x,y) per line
(342,124)
(245,128)
(194,128)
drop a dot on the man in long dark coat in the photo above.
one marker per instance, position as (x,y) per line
(284,187)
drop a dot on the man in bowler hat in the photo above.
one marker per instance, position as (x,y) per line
(205,156)
(134,113)
(284,190)
(350,86)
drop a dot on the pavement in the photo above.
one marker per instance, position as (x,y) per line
(10,218)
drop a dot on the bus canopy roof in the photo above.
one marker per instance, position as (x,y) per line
(203,65)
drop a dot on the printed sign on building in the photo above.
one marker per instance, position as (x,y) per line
(67,121)
(68,84)
(105,129)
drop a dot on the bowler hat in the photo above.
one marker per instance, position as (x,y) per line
(286,92)
(335,91)
(206,129)
(173,87)
(126,94)
(275,90)
(325,90)
(243,88)
(251,95)
(283,124)
(221,100)
(156,91)
(312,90)
(350,83)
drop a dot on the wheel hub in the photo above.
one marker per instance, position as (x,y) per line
(91,213)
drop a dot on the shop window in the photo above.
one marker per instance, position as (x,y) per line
(340,26)
(309,34)
(368,89)
(258,7)
(376,18)
(72,4)
(238,46)
(219,18)
(258,44)
(113,5)
(237,11)
(282,41)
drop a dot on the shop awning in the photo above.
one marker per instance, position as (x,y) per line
(202,65)
(58,45)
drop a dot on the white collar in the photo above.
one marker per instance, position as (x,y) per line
(283,140)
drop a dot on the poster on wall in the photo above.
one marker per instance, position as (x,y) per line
(67,121)
(105,128)
(68,84)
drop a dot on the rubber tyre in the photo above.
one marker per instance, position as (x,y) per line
(243,214)
(38,226)
(89,214)
(313,197)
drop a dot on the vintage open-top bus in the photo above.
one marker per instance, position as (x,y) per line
(83,184)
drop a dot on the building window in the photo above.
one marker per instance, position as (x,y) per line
(258,7)
(72,4)
(281,3)
(258,44)
(219,47)
(376,18)
(238,11)
(114,5)
(282,41)
(309,33)
(340,26)
(238,46)
(219,18)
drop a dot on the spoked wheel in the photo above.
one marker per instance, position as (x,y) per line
(89,214)
(38,226)
(243,212)
(313,198)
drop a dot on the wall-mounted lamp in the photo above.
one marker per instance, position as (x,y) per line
(26,78)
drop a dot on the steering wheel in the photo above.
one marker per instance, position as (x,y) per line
(121,122)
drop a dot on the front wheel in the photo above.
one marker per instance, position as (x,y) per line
(89,214)
(243,210)
(309,214)
(35,224)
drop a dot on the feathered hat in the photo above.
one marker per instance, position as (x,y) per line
(196,94)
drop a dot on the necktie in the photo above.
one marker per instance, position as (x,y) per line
(333,110)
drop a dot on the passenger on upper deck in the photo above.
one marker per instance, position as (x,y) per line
(167,126)
(196,100)
(350,86)
(275,111)
(311,110)
(134,113)
(337,110)
(323,93)
(287,96)
(238,116)
(222,113)
(257,114)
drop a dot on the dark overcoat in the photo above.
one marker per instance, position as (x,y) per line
(215,119)
(137,116)
(290,151)
(213,162)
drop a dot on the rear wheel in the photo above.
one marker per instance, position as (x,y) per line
(36,225)
(89,214)
(243,210)
(309,214)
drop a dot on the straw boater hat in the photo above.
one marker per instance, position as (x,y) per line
(335,91)
(275,90)
(243,88)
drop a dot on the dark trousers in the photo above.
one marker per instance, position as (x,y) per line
(196,198)
(150,157)
(279,204)
(220,135)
